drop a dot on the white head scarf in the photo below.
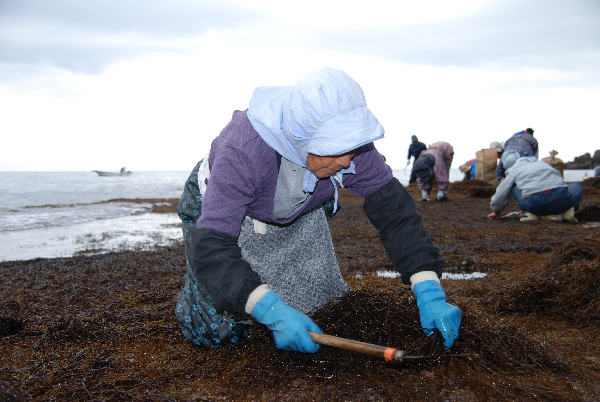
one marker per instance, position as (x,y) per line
(325,114)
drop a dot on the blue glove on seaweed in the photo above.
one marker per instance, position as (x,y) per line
(435,312)
(290,327)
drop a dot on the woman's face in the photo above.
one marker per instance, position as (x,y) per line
(326,166)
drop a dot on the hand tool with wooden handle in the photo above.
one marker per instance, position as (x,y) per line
(390,354)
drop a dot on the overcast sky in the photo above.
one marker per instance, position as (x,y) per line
(147,84)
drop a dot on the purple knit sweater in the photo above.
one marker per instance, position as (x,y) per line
(243,179)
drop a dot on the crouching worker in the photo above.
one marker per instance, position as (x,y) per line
(257,242)
(468,168)
(538,189)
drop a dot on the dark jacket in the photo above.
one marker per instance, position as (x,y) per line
(416,151)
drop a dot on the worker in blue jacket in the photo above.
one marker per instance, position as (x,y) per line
(520,145)
(414,150)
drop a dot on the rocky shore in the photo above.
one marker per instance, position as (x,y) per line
(585,161)
(102,327)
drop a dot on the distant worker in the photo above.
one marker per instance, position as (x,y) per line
(521,144)
(538,189)
(499,147)
(447,151)
(414,150)
(432,165)
(468,168)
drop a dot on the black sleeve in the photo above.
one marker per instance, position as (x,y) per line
(392,211)
(217,263)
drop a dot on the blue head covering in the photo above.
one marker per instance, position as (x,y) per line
(509,158)
(324,114)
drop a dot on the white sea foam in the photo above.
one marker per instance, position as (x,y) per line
(59,214)
(134,232)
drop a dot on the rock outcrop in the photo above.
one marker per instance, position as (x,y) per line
(585,161)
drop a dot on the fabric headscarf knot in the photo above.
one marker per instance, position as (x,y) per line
(324,114)
(311,180)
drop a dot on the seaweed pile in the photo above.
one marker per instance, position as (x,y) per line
(591,184)
(474,188)
(567,289)
(588,213)
(102,327)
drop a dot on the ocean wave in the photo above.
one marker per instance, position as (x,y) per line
(46,216)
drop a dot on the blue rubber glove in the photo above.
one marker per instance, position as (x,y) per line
(441,195)
(290,327)
(436,313)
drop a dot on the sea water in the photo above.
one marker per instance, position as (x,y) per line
(59,214)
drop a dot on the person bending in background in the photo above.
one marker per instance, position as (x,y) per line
(431,166)
(538,189)
(447,152)
(414,150)
(253,205)
(468,168)
(521,144)
(499,148)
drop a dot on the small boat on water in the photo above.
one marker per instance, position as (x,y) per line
(122,172)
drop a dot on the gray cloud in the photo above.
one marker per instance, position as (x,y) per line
(510,34)
(86,36)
